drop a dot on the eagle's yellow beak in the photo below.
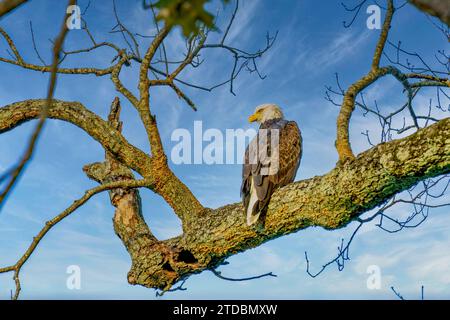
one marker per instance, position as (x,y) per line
(253,118)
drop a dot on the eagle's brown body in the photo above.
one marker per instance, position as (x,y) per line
(258,185)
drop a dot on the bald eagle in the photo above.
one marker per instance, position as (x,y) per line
(271,159)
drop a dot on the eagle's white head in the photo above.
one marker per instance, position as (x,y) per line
(264,112)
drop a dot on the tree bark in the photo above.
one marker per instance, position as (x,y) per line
(6,6)
(437,8)
(330,201)
(111,140)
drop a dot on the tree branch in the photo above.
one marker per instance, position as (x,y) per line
(51,223)
(330,201)
(166,183)
(383,35)
(348,104)
(74,112)
(7,6)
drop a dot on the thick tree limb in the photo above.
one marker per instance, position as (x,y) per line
(128,220)
(330,201)
(74,112)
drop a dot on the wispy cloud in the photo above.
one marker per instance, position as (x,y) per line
(342,45)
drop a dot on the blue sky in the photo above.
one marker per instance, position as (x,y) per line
(312,45)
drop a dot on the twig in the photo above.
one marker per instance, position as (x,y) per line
(397,294)
(219,275)
(178,288)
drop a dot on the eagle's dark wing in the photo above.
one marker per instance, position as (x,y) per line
(258,181)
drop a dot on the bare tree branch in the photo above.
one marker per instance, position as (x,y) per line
(219,275)
(349,96)
(51,223)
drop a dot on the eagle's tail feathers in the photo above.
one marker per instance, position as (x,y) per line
(253,205)
(252,218)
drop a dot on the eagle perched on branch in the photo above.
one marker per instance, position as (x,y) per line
(271,159)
